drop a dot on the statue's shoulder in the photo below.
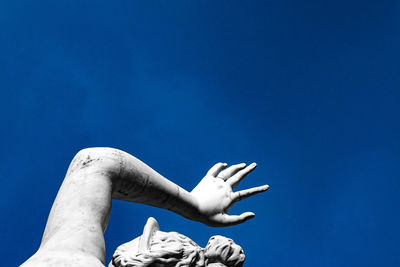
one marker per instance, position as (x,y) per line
(62,258)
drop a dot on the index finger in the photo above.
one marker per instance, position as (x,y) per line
(240,195)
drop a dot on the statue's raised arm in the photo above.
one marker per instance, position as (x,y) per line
(79,216)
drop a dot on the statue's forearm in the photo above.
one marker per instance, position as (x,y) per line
(137,182)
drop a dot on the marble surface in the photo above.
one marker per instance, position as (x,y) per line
(74,233)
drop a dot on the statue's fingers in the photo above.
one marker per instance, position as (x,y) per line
(235,179)
(232,170)
(216,169)
(226,219)
(240,195)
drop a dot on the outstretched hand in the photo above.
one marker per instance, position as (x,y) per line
(215,197)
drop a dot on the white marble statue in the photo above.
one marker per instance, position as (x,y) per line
(79,216)
(157,248)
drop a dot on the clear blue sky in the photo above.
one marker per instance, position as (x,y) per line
(310,90)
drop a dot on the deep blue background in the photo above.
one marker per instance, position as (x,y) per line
(309,90)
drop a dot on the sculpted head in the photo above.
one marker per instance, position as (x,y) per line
(161,249)
(222,251)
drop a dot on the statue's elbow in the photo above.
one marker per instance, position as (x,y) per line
(101,159)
